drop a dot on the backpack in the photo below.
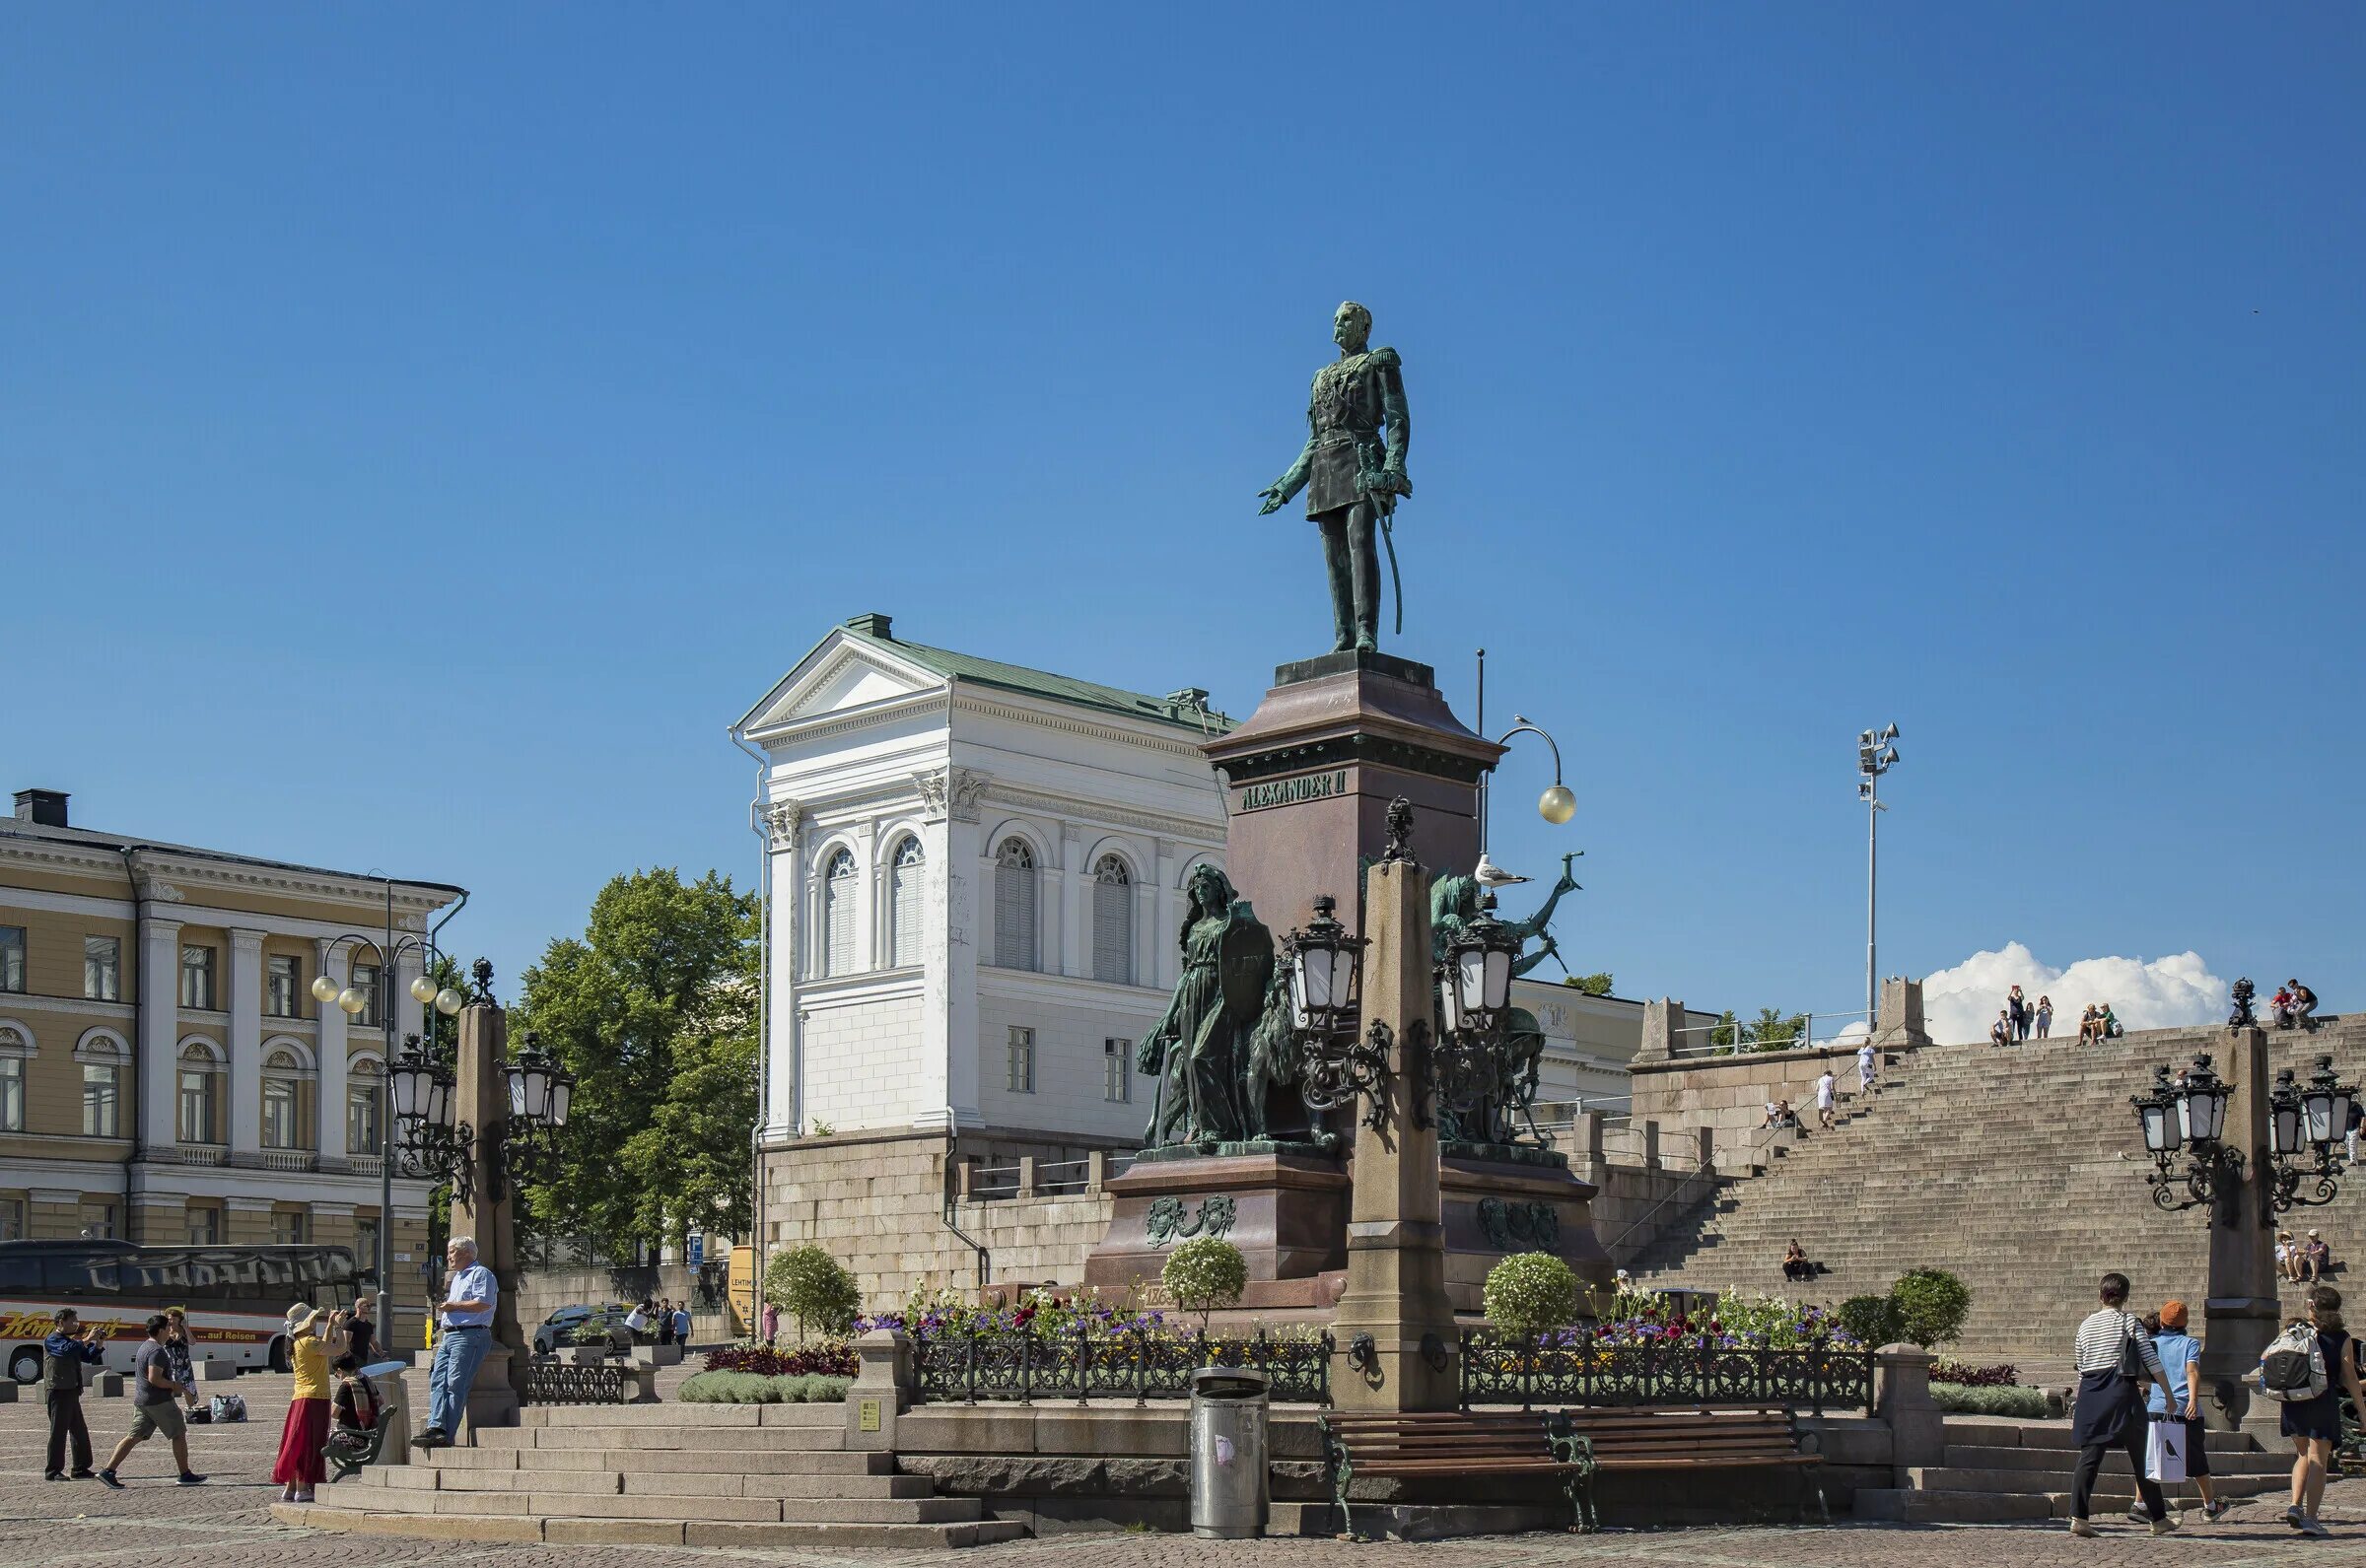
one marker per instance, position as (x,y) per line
(2293,1368)
(227,1407)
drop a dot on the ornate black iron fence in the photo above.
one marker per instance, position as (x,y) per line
(1023,1365)
(566,1383)
(1581,1369)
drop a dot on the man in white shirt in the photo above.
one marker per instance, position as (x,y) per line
(464,1333)
(1826,1087)
(1865,1065)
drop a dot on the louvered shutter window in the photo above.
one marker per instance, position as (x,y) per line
(838,916)
(1112,921)
(1015,904)
(905,907)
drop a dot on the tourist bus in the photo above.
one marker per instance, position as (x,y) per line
(237,1297)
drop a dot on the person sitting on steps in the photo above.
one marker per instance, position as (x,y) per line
(1794,1262)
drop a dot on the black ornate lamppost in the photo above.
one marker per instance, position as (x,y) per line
(434,1144)
(1325,968)
(2186,1115)
(2313,1118)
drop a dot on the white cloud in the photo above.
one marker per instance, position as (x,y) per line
(1960,1004)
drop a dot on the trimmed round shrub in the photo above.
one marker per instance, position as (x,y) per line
(1204,1273)
(1529,1293)
(1931,1305)
(1871,1320)
(808,1282)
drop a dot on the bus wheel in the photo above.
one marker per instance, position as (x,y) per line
(279,1356)
(25,1365)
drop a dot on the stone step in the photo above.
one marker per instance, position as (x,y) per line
(1959,1457)
(612,1481)
(1943,1478)
(672,1413)
(579,1530)
(699,1461)
(676,1506)
(712,1440)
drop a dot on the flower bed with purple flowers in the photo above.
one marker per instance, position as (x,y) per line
(1051,1347)
(829,1358)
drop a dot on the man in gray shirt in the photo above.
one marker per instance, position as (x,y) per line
(155,1407)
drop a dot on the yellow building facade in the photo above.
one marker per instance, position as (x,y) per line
(167,1075)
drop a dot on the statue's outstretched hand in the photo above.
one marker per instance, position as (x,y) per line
(1275,500)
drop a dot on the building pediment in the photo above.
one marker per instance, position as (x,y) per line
(843,675)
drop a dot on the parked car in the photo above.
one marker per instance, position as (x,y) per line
(560,1330)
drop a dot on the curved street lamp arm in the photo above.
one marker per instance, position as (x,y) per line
(1524,727)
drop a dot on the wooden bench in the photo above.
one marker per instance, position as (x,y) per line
(1449,1444)
(1572,1446)
(1678,1438)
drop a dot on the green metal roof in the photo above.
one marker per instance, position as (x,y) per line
(1039,683)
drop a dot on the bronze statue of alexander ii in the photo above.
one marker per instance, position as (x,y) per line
(1353,470)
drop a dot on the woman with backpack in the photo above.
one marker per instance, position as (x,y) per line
(2311,1391)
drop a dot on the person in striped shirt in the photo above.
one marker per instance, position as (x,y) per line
(2115,1356)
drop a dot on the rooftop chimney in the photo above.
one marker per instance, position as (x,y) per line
(873,624)
(44,809)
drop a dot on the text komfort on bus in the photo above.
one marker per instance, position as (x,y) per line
(237,1297)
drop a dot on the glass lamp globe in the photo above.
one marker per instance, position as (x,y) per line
(353,1001)
(1557,805)
(448,1001)
(323,989)
(423,989)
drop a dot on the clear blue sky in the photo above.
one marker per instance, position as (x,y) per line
(423,430)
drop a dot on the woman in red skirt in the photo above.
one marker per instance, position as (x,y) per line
(311,1339)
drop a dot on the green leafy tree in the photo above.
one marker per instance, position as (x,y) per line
(1204,1273)
(808,1282)
(1930,1306)
(1726,1033)
(1774,1030)
(1531,1293)
(1594,985)
(653,1010)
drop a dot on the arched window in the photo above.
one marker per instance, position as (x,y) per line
(200,1103)
(1113,922)
(101,1055)
(15,1046)
(838,915)
(283,1106)
(363,1080)
(905,903)
(1015,904)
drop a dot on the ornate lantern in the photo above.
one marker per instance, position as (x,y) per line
(1325,965)
(2201,1104)
(2307,1121)
(1473,985)
(2157,1112)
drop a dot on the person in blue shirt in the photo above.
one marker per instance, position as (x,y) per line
(465,1334)
(72,1344)
(2181,1358)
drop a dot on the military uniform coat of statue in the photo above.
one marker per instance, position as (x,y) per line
(1353,470)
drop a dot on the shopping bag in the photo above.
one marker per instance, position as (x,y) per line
(2165,1451)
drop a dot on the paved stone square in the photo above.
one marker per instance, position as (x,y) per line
(154,1524)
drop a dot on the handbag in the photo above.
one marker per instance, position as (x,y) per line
(2165,1449)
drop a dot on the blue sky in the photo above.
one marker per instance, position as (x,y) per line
(423,430)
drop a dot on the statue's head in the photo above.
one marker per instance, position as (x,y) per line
(1211,891)
(1453,900)
(1351,328)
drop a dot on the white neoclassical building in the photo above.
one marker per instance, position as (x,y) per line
(976,875)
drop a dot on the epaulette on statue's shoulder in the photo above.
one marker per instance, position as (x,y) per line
(1386,358)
